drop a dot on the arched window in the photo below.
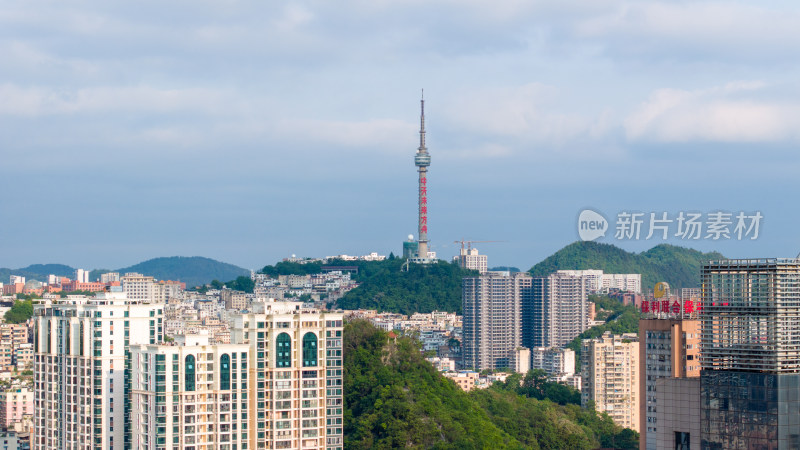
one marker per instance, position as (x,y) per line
(284,350)
(225,372)
(189,374)
(80,344)
(310,350)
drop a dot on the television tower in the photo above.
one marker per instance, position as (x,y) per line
(422,160)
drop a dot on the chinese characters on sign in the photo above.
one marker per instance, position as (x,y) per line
(689,226)
(423,205)
(674,307)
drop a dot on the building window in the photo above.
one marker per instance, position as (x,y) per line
(225,372)
(310,350)
(681,440)
(284,350)
(189,374)
(81,340)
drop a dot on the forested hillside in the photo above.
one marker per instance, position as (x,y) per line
(422,288)
(394,398)
(678,266)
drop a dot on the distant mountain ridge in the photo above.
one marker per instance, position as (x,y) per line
(192,270)
(678,266)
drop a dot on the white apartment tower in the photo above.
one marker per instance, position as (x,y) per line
(139,287)
(190,395)
(610,376)
(554,361)
(470,259)
(295,376)
(81,369)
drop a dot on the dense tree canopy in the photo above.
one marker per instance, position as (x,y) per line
(21,311)
(394,398)
(386,286)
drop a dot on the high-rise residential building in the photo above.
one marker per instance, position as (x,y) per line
(139,287)
(81,276)
(592,277)
(422,160)
(629,282)
(554,361)
(191,395)
(610,373)
(295,375)
(492,323)
(554,311)
(470,259)
(667,348)
(82,384)
(750,354)
(598,281)
(109,277)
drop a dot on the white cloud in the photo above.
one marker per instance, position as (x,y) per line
(46,101)
(379,135)
(729,113)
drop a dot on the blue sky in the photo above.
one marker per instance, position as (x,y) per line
(249,131)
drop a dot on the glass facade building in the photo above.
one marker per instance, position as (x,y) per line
(750,347)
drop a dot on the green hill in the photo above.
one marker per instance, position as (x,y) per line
(678,266)
(394,398)
(422,288)
(38,272)
(192,270)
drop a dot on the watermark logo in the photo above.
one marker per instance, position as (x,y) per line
(662,225)
(591,225)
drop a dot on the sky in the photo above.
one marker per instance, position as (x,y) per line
(250,131)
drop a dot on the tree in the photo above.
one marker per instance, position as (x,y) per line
(21,311)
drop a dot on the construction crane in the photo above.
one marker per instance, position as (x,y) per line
(469,243)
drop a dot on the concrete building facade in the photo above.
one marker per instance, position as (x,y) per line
(667,348)
(81,368)
(492,323)
(610,376)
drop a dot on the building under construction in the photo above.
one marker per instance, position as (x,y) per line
(750,347)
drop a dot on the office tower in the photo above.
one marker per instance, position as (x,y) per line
(750,354)
(554,311)
(667,348)
(190,395)
(422,160)
(492,321)
(470,259)
(295,375)
(610,372)
(678,413)
(81,368)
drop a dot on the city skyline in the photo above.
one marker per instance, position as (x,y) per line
(247,133)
